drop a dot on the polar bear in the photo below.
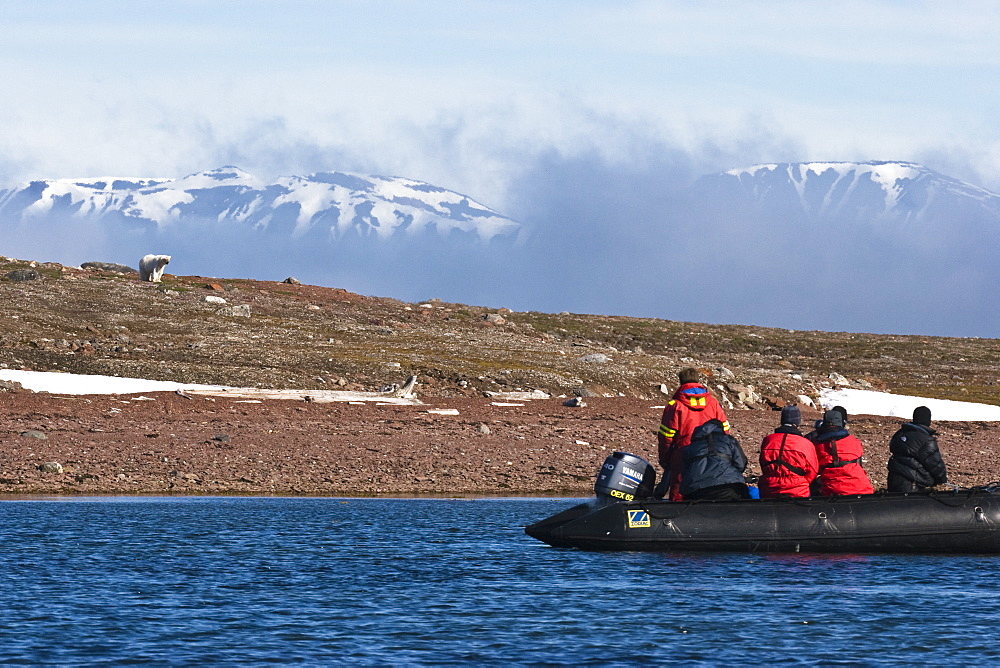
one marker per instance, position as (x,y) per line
(151,267)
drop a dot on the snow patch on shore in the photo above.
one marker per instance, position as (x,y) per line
(71,383)
(857,402)
(68,383)
(869,402)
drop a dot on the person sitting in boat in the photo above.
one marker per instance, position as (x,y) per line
(691,406)
(819,423)
(713,465)
(915,461)
(839,456)
(788,461)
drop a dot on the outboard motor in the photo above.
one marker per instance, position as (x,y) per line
(625,477)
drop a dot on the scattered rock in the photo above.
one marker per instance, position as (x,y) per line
(484,429)
(50,467)
(774,402)
(738,390)
(213,286)
(212,299)
(11,386)
(292,281)
(34,433)
(725,374)
(745,394)
(838,379)
(595,358)
(108,266)
(575,402)
(241,311)
(19,275)
(495,319)
(803,400)
(222,438)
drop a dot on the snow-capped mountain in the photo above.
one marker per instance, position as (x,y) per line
(873,246)
(899,191)
(328,204)
(842,245)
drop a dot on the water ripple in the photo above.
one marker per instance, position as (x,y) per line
(415,582)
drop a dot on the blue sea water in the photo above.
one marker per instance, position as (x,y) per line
(249,581)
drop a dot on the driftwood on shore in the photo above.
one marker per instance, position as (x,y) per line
(403,396)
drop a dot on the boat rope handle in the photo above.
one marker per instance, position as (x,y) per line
(990,487)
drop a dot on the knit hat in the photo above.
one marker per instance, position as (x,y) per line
(791,415)
(833,418)
(922,416)
(843,413)
(689,375)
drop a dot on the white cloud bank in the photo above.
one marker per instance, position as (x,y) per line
(465,99)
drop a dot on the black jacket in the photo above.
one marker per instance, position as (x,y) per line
(915,456)
(712,458)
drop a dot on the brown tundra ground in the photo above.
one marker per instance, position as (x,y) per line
(465,357)
(166,444)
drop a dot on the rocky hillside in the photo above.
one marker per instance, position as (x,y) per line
(102,320)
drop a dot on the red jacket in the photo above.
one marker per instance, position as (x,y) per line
(788,464)
(840,471)
(691,406)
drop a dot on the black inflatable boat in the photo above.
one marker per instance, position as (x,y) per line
(623,517)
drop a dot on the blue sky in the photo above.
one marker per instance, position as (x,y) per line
(473,95)
(580,119)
